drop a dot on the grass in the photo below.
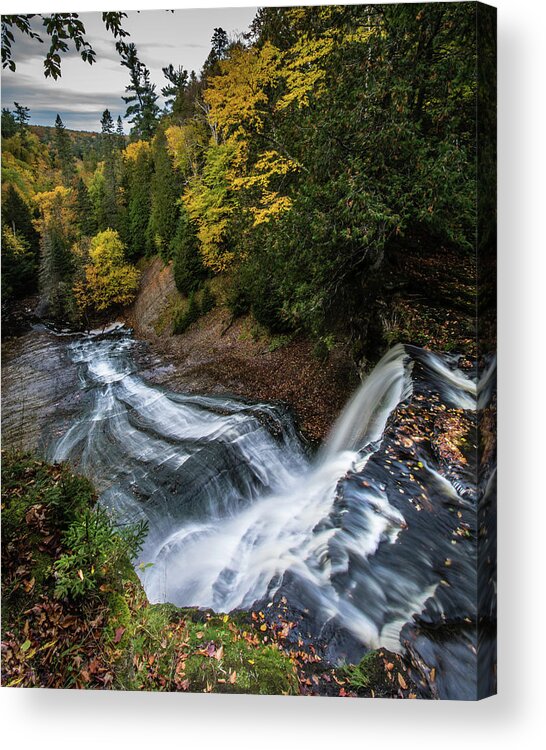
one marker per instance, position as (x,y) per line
(366,673)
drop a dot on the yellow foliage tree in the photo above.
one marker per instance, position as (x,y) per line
(270,204)
(56,206)
(238,107)
(211,203)
(132,151)
(237,96)
(108,279)
(253,86)
(186,144)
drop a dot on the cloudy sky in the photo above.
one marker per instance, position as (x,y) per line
(181,37)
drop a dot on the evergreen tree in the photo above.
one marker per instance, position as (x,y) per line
(219,49)
(107,123)
(9,125)
(165,192)
(138,208)
(119,127)
(57,235)
(188,268)
(175,89)
(111,189)
(142,97)
(84,210)
(107,134)
(63,151)
(21,116)
(56,272)
(17,215)
(103,194)
(19,266)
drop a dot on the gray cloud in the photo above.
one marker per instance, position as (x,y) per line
(77,108)
(84,90)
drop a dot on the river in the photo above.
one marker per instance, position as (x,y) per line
(374,537)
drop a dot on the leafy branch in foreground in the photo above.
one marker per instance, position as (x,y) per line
(60,29)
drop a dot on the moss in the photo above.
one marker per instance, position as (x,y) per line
(245,664)
(119,617)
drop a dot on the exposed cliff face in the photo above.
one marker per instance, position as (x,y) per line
(214,356)
(156,294)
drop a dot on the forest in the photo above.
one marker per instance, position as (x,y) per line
(248,381)
(295,165)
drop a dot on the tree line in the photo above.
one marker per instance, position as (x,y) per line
(293,165)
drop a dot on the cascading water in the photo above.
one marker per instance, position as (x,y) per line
(375,538)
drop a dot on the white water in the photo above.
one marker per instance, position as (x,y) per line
(235,509)
(363,419)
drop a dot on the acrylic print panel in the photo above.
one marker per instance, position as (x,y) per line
(249,311)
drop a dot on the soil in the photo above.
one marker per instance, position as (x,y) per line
(219,355)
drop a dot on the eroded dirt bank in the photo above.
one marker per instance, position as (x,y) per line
(213,356)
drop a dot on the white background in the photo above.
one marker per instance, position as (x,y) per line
(515,718)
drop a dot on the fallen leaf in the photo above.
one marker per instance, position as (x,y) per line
(119,634)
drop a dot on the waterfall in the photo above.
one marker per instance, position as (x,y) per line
(238,513)
(363,419)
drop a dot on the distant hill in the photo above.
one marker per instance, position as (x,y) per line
(83,141)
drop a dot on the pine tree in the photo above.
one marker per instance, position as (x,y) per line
(175,89)
(107,123)
(21,116)
(57,229)
(120,134)
(188,268)
(84,210)
(9,125)
(17,215)
(63,151)
(56,275)
(19,266)
(142,97)
(107,134)
(138,208)
(165,192)
(219,49)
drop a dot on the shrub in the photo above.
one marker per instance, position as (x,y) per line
(185,318)
(266,307)
(208,300)
(96,548)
